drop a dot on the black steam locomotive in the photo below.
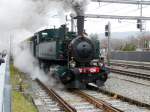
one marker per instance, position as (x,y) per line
(72,58)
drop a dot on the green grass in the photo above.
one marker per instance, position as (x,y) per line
(19,102)
(14,76)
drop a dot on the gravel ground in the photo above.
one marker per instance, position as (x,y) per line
(130,89)
(42,100)
(130,79)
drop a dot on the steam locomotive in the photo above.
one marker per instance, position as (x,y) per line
(72,58)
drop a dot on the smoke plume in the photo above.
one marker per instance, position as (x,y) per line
(19,19)
(78,6)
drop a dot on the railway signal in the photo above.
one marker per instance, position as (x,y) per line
(139,24)
(107,30)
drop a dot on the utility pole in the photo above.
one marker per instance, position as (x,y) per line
(107,34)
(141,11)
(141,24)
(10,45)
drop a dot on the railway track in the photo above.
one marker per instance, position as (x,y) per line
(87,101)
(130,73)
(43,101)
(131,80)
(134,65)
(76,101)
(119,101)
(65,106)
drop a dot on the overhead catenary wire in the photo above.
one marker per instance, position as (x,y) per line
(121,10)
(124,1)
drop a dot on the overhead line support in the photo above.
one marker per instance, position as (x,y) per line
(124,2)
(116,17)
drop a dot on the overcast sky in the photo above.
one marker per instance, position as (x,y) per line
(97,25)
(21,18)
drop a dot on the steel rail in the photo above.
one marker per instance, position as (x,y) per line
(56,97)
(97,102)
(132,74)
(131,65)
(121,97)
(131,62)
(131,81)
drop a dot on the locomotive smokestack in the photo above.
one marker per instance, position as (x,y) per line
(80,24)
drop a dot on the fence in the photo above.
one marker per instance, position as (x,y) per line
(5,87)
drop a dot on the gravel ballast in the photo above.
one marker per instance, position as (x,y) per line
(129,89)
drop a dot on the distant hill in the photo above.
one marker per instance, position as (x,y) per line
(123,34)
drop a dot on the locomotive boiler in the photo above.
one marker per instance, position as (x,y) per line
(71,57)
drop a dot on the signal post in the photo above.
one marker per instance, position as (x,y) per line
(107,34)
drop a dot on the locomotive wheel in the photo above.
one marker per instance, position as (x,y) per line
(41,65)
(67,77)
(104,77)
(46,68)
(99,83)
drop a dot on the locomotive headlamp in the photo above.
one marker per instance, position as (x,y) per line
(101,64)
(94,63)
(101,61)
(72,63)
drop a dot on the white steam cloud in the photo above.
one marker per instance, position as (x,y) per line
(19,19)
(25,62)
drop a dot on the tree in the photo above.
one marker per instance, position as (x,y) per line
(129,47)
(94,36)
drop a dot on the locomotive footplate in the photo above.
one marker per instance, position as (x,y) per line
(89,74)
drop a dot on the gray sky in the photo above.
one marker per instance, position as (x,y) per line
(97,25)
(21,18)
